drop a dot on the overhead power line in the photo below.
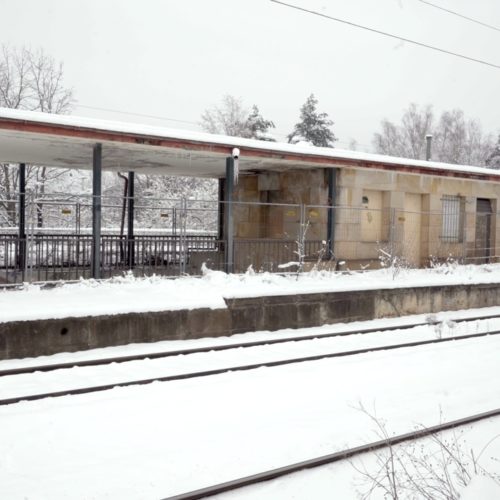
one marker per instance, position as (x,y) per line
(384,33)
(460,15)
(164,118)
(154,117)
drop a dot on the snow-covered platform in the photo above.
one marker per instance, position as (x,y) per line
(71,317)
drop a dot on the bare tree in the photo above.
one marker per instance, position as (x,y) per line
(232,118)
(406,140)
(461,141)
(30,80)
(493,160)
(456,139)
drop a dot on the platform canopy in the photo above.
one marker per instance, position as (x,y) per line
(67,141)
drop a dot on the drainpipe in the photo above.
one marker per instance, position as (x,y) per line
(428,138)
(330,228)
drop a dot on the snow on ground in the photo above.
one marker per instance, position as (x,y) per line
(129,294)
(342,479)
(162,439)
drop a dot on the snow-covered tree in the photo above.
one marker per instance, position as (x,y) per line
(314,127)
(258,127)
(456,139)
(493,160)
(30,80)
(406,140)
(460,140)
(232,118)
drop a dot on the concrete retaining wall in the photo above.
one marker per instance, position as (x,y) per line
(34,338)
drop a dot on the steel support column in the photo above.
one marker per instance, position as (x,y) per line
(96,211)
(220,210)
(22,219)
(228,215)
(130,220)
(330,237)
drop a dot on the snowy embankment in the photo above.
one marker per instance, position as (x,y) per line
(129,294)
(113,373)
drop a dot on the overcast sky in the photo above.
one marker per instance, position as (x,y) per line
(176,58)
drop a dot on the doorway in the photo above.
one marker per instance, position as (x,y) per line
(482,244)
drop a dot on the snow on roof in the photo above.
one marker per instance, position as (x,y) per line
(303,150)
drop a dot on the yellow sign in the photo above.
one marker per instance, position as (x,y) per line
(313,213)
(66,211)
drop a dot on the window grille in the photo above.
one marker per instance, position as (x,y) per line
(453,218)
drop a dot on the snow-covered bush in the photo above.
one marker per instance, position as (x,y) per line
(438,467)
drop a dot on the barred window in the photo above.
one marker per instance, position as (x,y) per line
(453,218)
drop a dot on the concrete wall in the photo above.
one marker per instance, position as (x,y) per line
(365,199)
(35,338)
(411,229)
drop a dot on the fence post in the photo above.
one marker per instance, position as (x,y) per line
(182,237)
(77,217)
(30,238)
(301,244)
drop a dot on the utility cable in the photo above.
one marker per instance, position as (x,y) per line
(460,15)
(384,33)
(135,114)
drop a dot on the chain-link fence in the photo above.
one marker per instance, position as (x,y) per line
(174,237)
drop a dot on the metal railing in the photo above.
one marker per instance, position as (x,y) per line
(174,237)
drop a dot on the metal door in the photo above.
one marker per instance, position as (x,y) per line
(483,230)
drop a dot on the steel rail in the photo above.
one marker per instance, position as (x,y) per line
(331,458)
(219,371)
(223,347)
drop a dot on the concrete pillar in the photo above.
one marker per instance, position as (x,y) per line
(96,211)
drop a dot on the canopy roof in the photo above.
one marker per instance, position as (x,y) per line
(67,141)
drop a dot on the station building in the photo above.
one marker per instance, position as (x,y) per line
(278,203)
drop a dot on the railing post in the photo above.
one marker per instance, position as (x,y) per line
(96,211)
(22,220)
(228,212)
(302,238)
(32,249)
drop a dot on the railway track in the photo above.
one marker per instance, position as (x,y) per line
(225,347)
(244,367)
(331,458)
